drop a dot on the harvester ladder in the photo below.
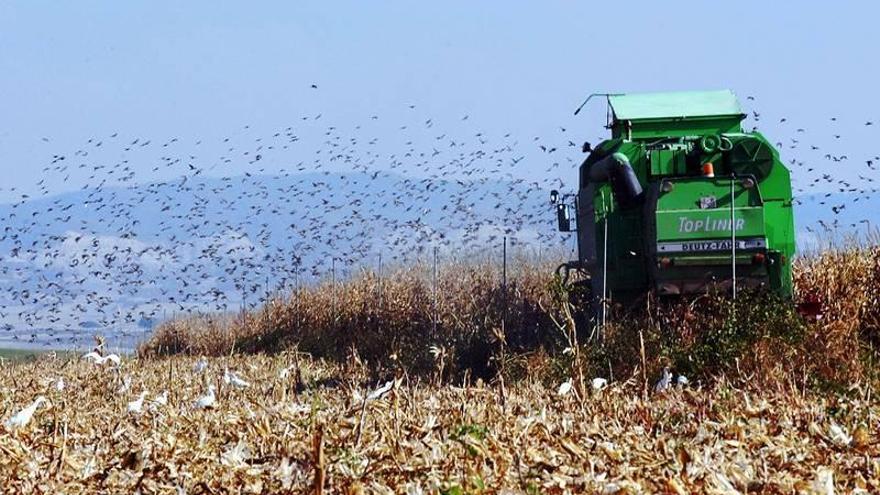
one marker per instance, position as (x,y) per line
(732,237)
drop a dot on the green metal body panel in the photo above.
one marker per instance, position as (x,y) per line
(679,216)
(680,239)
(669,162)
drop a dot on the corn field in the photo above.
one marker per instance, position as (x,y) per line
(481,325)
(462,383)
(307,426)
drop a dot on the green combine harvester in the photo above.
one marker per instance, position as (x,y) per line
(679,201)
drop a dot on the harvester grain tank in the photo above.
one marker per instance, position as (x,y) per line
(680,200)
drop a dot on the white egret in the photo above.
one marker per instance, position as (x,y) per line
(664,381)
(381,391)
(200,366)
(207,401)
(99,359)
(161,399)
(599,383)
(59,385)
(93,356)
(230,377)
(682,380)
(839,435)
(23,417)
(282,375)
(565,387)
(126,384)
(136,406)
(823,484)
(723,484)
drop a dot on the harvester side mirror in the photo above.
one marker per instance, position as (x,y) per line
(554,197)
(563,218)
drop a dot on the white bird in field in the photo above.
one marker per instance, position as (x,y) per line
(206,401)
(23,417)
(282,375)
(93,356)
(230,377)
(823,484)
(99,359)
(565,387)
(664,381)
(137,406)
(59,385)
(113,358)
(599,383)
(682,380)
(126,384)
(200,366)
(723,485)
(161,399)
(379,392)
(839,435)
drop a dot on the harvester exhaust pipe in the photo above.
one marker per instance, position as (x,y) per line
(617,170)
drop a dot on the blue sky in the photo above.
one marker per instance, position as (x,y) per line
(75,70)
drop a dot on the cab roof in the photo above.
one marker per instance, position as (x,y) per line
(682,104)
(661,115)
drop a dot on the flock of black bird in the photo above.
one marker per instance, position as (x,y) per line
(147,229)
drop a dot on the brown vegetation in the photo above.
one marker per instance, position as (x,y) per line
(756,417)
(304,426)
(476,326)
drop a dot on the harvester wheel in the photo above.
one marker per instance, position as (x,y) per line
(580,296)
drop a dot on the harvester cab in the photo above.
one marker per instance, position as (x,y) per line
(680,200)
